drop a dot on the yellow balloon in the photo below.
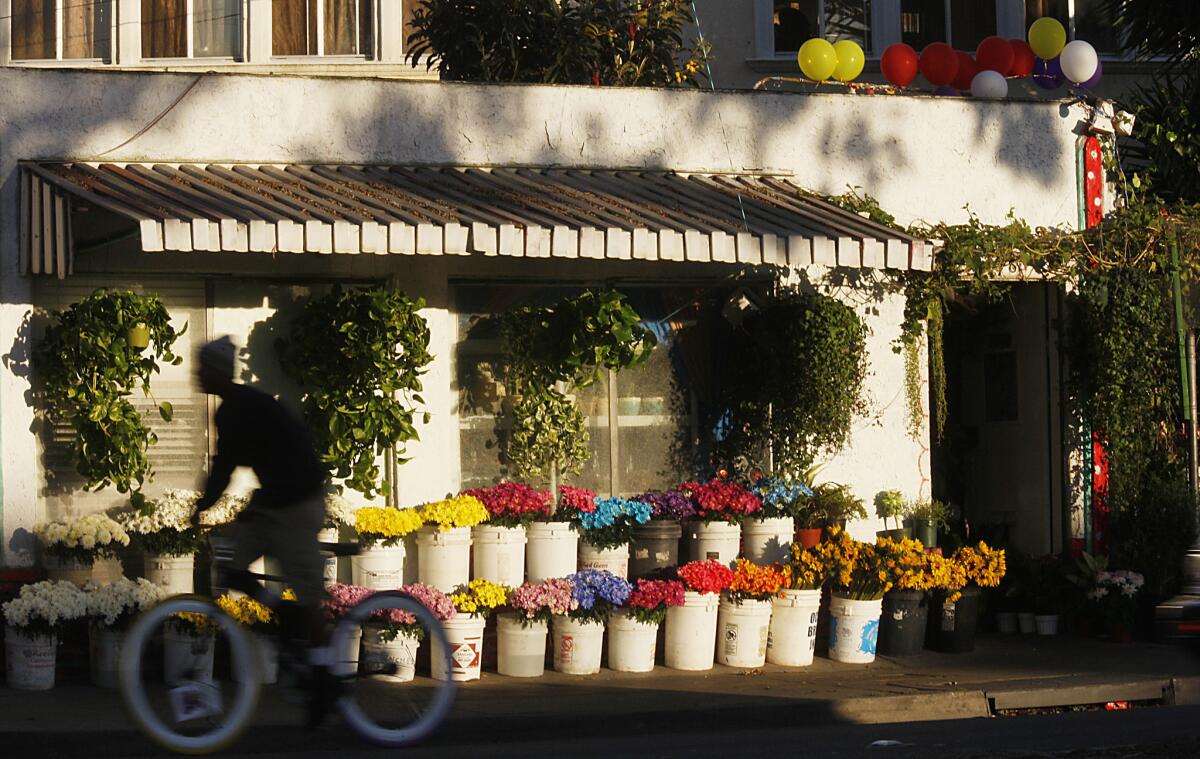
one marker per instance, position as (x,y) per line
(817,59)
(850,60)
(1047,37)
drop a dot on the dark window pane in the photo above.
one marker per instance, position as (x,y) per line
(922,22)
(1094,24)
(164,28)
(970,22)
(366,27)
(32,29)
(86,29)
(215,29)
(290,28)
(1035,9)
(795,22)
(847,20)
(340,31)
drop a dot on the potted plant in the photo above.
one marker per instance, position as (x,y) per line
(656,544)
(905,615)
(339,514)
(605,531)
(262,623)
(73,547)
(1116,593)
(578,635)
(744,614)
(890,504)
(339,600)
(521,630)
(1049,594)
(162,529)
(959,580)
(553,547)
(928,515)
(793,633)
(381,532)
(473,602)
(444,540)
(499,543)
(110,610)
(692,627)
(767,536)
(189,640)
(721,505)
(838,504)
(859,578)
(33,621)
(633,629)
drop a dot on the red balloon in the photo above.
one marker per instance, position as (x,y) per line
(939,63)
(994,54)
(966,72)
(899,64)
(1023,59)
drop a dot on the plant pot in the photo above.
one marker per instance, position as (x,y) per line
(522,648)
(926,531)
(187,656)
(792,638)
(444,557)
(464,635)
(853,629)
(498,554)
(174,573)
(104,654)
(897,534)
(102,571)
(902,623)
(138,336)
(1006,622)
(957,622)
(615,560)
(391,660)
(552,550)
(691,635)
(655,546)
(742,631)
(767,541)
(346,660)
(29,660)
(809,537)
(379,567)
(1026,623)
(631,644)
(716,540)
(1047,624)
(578,646)
(330,568)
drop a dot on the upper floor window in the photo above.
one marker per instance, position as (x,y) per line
(61,29)
(961,23)
(191,28)
(1092,21)
(797,20)
(322,27)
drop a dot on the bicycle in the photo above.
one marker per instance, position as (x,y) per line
(189,710)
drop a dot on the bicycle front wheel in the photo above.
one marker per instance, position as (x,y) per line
(173,687)
(391,698)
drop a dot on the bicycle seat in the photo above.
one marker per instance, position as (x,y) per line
(342,549)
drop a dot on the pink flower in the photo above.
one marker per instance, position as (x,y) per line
(577,498)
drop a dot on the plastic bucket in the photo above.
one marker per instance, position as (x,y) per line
(615,560)
(957,622)
(521,648)
(464,634)
(346,660)
(29,660)
(631,644)
(266,650)
(71,570)
(329,535)
(1026,623)
(792,638)
(104,652)
(809,537)
(379,568)
(577,646)
(655,545)
(766,541)
(926,531)
(902,625)
(551,551)
(853,629)
(398,655)
(1047,624)
(174,573)
(691,636)
(1006,622)
(444,558)
(742,631)
(498,554)
(718,540)
(187,656)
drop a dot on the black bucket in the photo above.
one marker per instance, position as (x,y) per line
(902,625)
(956,623)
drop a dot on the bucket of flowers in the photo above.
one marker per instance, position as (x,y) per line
(606,531)
(444,540)
(33,621)
(655,544)
(522,629)
(162,529)
(111,608)
(578,635)
(744,614)
(859,579)
(473,603)
(391,639)
(906,606)
(1116,594)
(794,609)
(381,532)
(82,549)
(553,547)
(692,627)
(959,580)
(633,629)
(767,536)
(263,625)
(499,543)
(721,506)
(189,641)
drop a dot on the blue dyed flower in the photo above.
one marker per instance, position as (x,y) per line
(781,497)
(597,592)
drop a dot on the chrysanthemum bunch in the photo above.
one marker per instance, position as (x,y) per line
(394,623)
(610,524)
(649,600)
(597,592)
(721,500)
(250,613)
(341,598)
(385,526)
(948,576)
(163,525)
(539,601)
(41,608)
(84,539)
(224,511)
(513,504)
(459,511)
(479,597)
(668,504)
(709,576)
(857,570)
(117,603)
(338,511)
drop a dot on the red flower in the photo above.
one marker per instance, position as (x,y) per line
(709,576)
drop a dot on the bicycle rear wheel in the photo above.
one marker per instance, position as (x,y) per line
(391,697)
(168,680)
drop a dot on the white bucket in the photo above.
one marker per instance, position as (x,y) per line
(103,570)
(615,560)
(552,550)
(853,629)
(174,573)
(465,635)
(398,655)
(768,540)
(742,630)
(104,653)
(498,554)
(187,656)
(793,635)
(1047,624)
(346,660)
(329,535)
(717,540)
(692,632)
(1026,623)
(29,660)
(444,558)
(521,649)
(379,568)
(578,646)
(631,644)
(1006,622)
(267,650)
(655,545)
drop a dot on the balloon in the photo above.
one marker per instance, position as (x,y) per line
(817,59)
(938,64)
(947,91)
(989,84)
(899,64)
(966,71)
(994,54)
(1089,84)
(1023,58)
(1047,37)
(1047,74)
(850,60)
(1079,61)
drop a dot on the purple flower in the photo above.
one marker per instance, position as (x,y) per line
(669,504)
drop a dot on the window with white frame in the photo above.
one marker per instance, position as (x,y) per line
(191,28)
(322,27)
(1083,19)
(961,23)
(61,29)
(795,21)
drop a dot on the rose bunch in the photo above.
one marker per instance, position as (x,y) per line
(721,500)
(610,524)
(649,600)
(84,539)
(385,526)
(709,576)
(668,504)
(597,592)
(117,603)
(459,511)
(781,498)
(479,597)
(513,504)
(539,601)
(41,608)
(753,582)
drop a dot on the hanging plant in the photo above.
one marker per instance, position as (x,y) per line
(86,370)
(359,355)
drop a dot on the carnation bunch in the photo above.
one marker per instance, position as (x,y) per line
(512,504)
(781,498)
(721,500)
(385,526)
(479,597)
(708,576)
(84,539)
(668,504)
(540,601)
(752,582)
(224,511)
(42,608)
(649,600)
(804,569)
(572,500)
(596,592)
(163,525)
(610,524)
(117,603)
(450,513)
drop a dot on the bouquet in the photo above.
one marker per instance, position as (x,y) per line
(116,604)
(42,608)
(385,526)
(163,525)
(394,623)
(781,498)
(858,570)
(459,511)
(84,539)
(250,613)
(539,601)
(668,504)
(224,511)
(906,563)
(338,512)
(754,583)
(649,600)
(948,576)
(572,500)
(479,597)
(512,504)
(805,569)
(1116,593)
(721,500)
(596,593)
(610,524)
(710,576)
(192,623)
(983,565)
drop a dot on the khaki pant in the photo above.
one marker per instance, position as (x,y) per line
(289,535)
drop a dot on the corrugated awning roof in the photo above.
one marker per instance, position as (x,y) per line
(534,213)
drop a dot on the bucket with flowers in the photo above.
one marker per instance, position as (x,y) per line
(578,635)
(859,579)
(110,610)
(906,606)
(523,628)
(189,640)
(960,579)
(499,543)
(262,624)
(792,638)
(82,549)
(381,532)
(339,514)
(655,544)
(692,628)
(744,614)
(162,529)
(391,638)
(716,531)
(767,536)
(1115,595)
(553,547)
(605,532)
(444,541)
(32,622)
(340,599)
(473,602)
(633,629)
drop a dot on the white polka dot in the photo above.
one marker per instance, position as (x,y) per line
(1096,201)
(1091,175)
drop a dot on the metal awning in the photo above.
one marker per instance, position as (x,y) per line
(408,210)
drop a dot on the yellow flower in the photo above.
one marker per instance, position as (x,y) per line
(479,597)
(459,511)
(386,524)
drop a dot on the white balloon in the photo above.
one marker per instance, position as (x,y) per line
(1079,61)
(989,84)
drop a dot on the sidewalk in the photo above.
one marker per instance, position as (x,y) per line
(1004,672)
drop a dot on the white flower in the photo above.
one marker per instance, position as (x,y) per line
(224,511)
(46,604)
(338,510)
(108,603)
(90,532)
(172,510)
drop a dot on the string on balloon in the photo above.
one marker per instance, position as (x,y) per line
(869,88)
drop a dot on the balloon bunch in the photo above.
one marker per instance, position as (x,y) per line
(1046,56)
(819,60)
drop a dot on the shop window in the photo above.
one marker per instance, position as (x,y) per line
(322,27)
(61,29)
(796,21)
(961,23)
(1093,21)
(190,28)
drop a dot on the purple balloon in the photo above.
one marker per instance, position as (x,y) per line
(946,91)
(1089,84)
(1048,74)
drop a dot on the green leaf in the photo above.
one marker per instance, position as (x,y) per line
(166,411)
